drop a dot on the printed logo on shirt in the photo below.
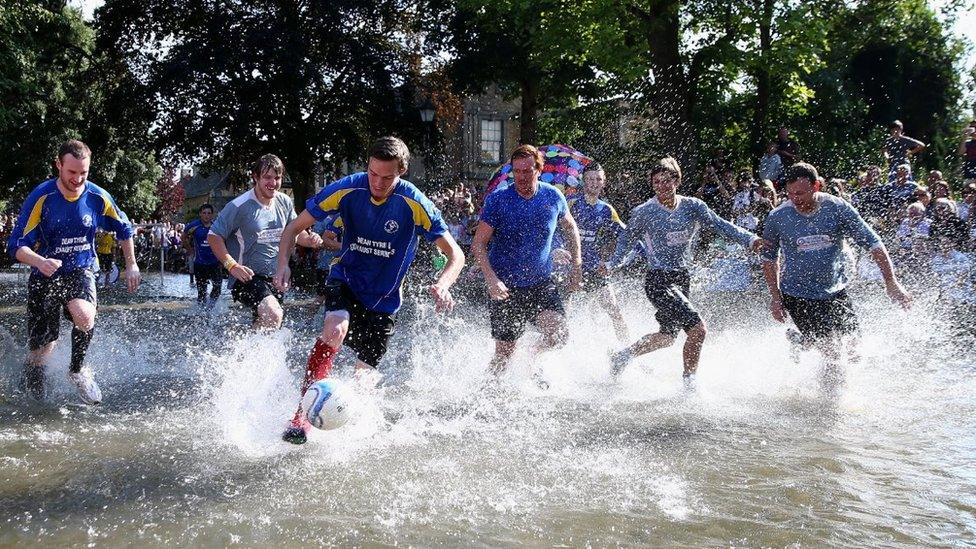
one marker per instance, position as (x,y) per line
(587,235)
(391,226)
(373,247)
(814,242)
(268,236)
(677,238)
(86,220)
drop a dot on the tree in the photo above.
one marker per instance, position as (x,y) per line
(45,50)
(313,82)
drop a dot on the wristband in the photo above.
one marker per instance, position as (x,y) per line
(229,263)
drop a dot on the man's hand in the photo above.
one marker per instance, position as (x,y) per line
(759,245)
(896,292)
(443,298)
(132,277)
(307,239)
(49,266)
(282,278)
(776,307)
(561,256)
(241,273)
(497,289)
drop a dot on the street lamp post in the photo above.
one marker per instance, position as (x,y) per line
(427,113)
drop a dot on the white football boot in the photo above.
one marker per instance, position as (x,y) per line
(88,390)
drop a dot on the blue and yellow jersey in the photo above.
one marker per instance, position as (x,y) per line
(379,238)
(598,225)
(58,228)
(202,254)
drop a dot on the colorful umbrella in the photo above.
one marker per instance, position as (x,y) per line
(563,168)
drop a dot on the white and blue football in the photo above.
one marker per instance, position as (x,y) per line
(326,404)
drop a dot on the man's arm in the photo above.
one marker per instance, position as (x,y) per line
(771,274)
(455,262)
(219,248)
(46,266)
(917,146)
(571,239)
(132,275)
(287,244)
(893,288)
(479,248)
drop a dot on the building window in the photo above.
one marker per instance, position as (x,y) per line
(491,141)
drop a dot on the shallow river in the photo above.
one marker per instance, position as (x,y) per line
(185,449)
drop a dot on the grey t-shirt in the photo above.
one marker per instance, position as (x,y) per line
(252,231)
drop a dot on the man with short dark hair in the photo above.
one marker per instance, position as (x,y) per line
(810,228)
(245,237)
(668,224)
(786,147)
(520,222)
(382,217)
(898,148)
(206,267)
(55,236)
(599,226)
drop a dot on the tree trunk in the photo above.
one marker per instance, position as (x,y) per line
(529,118)
(760,116)
(671,93)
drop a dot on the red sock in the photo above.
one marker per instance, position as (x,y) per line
(319,363)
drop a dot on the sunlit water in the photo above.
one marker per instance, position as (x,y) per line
(185,449)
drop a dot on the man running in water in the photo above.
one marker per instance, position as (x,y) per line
(55,235)
(206,268)
(599,227)
(668,225)
(519,222)
(250,226)
(382,218)
(810,229)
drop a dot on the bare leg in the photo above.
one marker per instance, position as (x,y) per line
(503,355)
(554,331)
(692,349)
(270,314)
(608,301)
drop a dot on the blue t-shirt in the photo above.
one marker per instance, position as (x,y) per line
(598,223)
(379,238)
(812,245)
(333,224)
(58,228)
(520,251)
(668,235)
(202,254)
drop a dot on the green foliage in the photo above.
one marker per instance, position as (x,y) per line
(313,82)
(131,177)
(54,87)
(45,50)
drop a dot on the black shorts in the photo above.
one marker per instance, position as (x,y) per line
(203,272)
(47,300)
(594,281)
(508,316)
(253,292)
(105,262)
(668,291)
(321,282)
(369,331)
(820,318)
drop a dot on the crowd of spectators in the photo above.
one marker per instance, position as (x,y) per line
(927,223)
